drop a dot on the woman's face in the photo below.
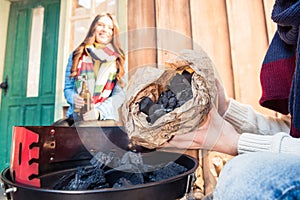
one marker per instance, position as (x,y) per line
(104,30)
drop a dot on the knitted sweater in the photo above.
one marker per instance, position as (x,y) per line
(280,73)
(260,132)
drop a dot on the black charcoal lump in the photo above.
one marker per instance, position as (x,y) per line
(179,91)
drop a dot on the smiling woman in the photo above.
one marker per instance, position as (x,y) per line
(98,63)
(77,22)
(104,30)
(83,12)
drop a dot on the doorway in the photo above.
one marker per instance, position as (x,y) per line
(29,69)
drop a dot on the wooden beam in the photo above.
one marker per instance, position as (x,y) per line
(173,28)
(211,33)
(141,34)
(249,42)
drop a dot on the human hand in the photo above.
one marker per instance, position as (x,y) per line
(92,114)
(223,100)
(215,134)
(78,102)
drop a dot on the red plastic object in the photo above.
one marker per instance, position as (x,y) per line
(24,153)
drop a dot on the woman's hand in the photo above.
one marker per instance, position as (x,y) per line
(78,102)
(215,134)
(93,114)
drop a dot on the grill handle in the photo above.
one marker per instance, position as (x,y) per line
(7,191)
(189,195)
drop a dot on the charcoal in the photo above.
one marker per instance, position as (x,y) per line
(131,170)
(157,112)
(83,179)
(168,100)
(122,182)
(178,84)
(145,105)
(134,178)
(170,170)
(182,88)
(63,181)
(153,110)
(163,99)
(184,96)
(132,158)
(172,103)
(102,159)
(76,184)
(179,91)
(188,76)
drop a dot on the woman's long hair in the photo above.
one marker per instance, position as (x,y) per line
(90,39)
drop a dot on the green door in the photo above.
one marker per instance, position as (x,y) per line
(30,69)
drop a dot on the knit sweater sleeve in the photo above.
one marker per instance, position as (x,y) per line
(245,119)
(260,132)
(279,143)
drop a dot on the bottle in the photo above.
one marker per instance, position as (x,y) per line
(86,95)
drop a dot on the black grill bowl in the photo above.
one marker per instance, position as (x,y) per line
(169,189)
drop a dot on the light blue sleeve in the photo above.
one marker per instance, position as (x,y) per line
(109,109)
(69,86)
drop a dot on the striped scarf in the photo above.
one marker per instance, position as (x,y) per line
(99,68)
(280,75)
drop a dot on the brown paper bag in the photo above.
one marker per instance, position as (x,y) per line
(151,82)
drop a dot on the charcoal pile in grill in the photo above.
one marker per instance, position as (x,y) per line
(127,171)
(83,179)
(170,170)
(179,91)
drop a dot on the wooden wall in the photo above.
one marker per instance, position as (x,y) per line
(234,33)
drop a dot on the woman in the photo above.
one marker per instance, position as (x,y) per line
(100,60)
